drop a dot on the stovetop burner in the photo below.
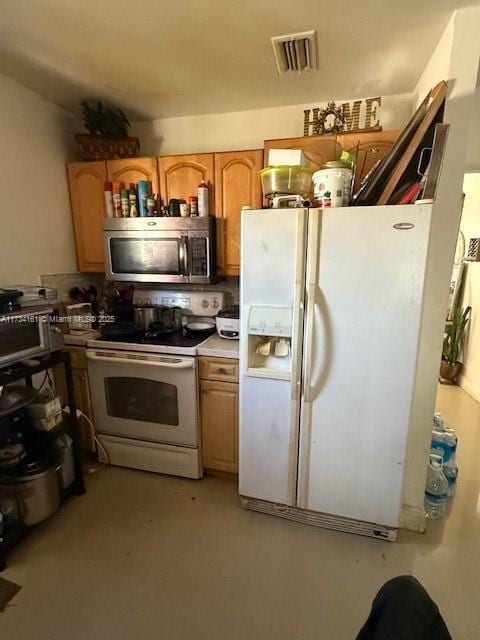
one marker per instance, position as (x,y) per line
(175,339)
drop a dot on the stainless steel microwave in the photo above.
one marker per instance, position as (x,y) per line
(26,334)
(166,249)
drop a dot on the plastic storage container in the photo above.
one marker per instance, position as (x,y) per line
(286,180)
(332,185)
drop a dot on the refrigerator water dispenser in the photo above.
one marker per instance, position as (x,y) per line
(269,342)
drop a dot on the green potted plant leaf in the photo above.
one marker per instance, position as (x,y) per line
(108,133)
(455,331)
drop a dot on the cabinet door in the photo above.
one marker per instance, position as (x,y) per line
(219,411)
(237,184)
(86,180)
(372,147)
(82,401)
(181,175)
(128,170)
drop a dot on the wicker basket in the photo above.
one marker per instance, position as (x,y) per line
(103,148)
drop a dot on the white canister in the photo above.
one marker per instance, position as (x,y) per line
(184,209)
(331,187)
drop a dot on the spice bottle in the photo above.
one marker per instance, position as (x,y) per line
(132,199)
(202,194)
(124,202)
(117,205)
(108,200)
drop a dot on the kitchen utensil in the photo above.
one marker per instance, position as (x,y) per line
(35,486)
(144,316)
(286,180)
(282,348)
(200,328)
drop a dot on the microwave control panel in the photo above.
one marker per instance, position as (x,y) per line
(198,256)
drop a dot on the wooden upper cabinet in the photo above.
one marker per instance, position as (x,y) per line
(317,149)
(181,175)
(372,146)
(128,170)
(86,181)
(237,184)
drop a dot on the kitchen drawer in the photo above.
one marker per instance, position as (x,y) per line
(77,356)
(222,369)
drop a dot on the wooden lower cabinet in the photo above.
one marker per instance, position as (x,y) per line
(219,416)
(81,389)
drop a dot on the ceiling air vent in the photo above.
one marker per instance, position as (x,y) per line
(295,52)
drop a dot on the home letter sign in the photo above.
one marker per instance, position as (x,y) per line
(359,115)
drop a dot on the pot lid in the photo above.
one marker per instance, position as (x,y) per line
(28,470)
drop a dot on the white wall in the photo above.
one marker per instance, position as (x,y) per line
(35,222)
(470,226)
(438,67)
(245,129)
(461,69)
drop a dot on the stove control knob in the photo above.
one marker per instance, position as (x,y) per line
(205,304)
(215,303)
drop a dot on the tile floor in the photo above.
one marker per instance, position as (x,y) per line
(151,557)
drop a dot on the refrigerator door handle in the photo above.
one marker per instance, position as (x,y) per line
(314,231)
(309,324)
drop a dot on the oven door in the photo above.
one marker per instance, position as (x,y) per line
(148,397)
(146,256)
(22,336)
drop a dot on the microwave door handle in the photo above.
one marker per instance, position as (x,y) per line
(184,254)
(208,256)
(183,364)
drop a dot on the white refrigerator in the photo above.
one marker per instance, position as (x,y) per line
(331,307)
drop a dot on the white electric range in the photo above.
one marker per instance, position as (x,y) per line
(145,389)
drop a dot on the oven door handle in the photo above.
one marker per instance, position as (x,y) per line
(166,364)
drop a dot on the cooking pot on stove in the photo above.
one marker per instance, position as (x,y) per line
(144,316)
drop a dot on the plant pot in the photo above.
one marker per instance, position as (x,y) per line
(95,147)
(449,372)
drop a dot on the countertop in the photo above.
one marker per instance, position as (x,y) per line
(76,340)
(218,347)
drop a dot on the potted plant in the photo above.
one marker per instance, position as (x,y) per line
(452,344)
(108,133)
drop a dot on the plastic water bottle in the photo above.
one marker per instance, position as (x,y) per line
(444,443)
(450,470)
(436,489)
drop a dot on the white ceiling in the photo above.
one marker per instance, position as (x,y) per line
(159,58)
